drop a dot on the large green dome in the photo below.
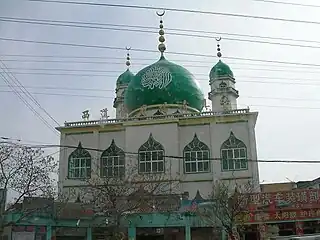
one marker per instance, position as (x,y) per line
(163,82)
(125,78)
(220,70)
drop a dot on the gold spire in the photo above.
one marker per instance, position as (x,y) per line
(219,54)
(161,46)
(128,57)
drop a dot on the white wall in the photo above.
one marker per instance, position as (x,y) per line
(174,138)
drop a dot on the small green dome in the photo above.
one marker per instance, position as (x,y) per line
(163,82)
(220,70)
(125,78)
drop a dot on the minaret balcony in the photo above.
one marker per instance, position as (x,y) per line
(226,90)
(117,100)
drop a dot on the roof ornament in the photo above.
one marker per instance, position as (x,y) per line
(85,115)
(161,46)
(128,57)
(219,54)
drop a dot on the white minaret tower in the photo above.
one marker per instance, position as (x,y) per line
(223,94)
(122,83)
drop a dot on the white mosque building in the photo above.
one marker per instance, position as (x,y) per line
(160,117)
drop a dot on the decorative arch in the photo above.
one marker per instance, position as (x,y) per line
(233,154)
(223,85)
(112,162)
(79,163)
(196,156)
(151,156)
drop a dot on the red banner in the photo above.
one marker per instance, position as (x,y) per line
(296,199)
(282,215)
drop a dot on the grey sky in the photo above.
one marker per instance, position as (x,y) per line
(286,129)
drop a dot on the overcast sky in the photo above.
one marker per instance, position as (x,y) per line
(286,96)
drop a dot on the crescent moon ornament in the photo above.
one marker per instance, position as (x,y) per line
(218,39)
(161,14)
(128,48)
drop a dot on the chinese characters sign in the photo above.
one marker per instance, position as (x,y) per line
(296,199)
(285,215)
(283,206)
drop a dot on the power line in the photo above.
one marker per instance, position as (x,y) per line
(252,97)
(168,32)
(178,10)
(199,79)
(177,157)
(139,63)
(142,65)
(100,90)
(26,103)
(187,30)
(152,51)
(289,3)
(26,92)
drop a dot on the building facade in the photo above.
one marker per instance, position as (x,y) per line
(161,127)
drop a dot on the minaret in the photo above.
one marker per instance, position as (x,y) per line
(223,93)
(122,83)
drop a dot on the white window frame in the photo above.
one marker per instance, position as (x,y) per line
(236,159)
(113,166)
(195,160)
(72,168)
(153,161)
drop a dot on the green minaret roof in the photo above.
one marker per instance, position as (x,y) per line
(220,70)
(125,78)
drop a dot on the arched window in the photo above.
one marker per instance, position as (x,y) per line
(79,163)
(151,156)
(112,161)
(234,154)
(196,156)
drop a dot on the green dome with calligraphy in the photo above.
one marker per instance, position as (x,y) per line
(163,82)
(125,78)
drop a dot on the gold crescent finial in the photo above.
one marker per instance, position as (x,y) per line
(161,14)
(128,57)
(219,54)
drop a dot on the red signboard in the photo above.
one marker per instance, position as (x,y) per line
(284,215)
(283,206)
(297,199)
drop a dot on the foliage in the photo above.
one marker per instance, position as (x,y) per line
(26,173)
(115,198)
(228,205)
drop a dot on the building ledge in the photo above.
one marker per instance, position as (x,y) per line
(101,122)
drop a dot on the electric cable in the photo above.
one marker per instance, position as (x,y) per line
(289,3)
(25,91)
(43,21)
(168,32)
(152,51)
(177,10)
(175,157)
(27,104)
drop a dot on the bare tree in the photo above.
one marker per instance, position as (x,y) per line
(26,173)
(118,193)
(228,206)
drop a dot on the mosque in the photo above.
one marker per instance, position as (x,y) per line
(160,113)
(161,121)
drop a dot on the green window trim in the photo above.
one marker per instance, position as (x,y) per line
(112,162)
(79,164)
(151,157)
(196,157)
(233,154)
